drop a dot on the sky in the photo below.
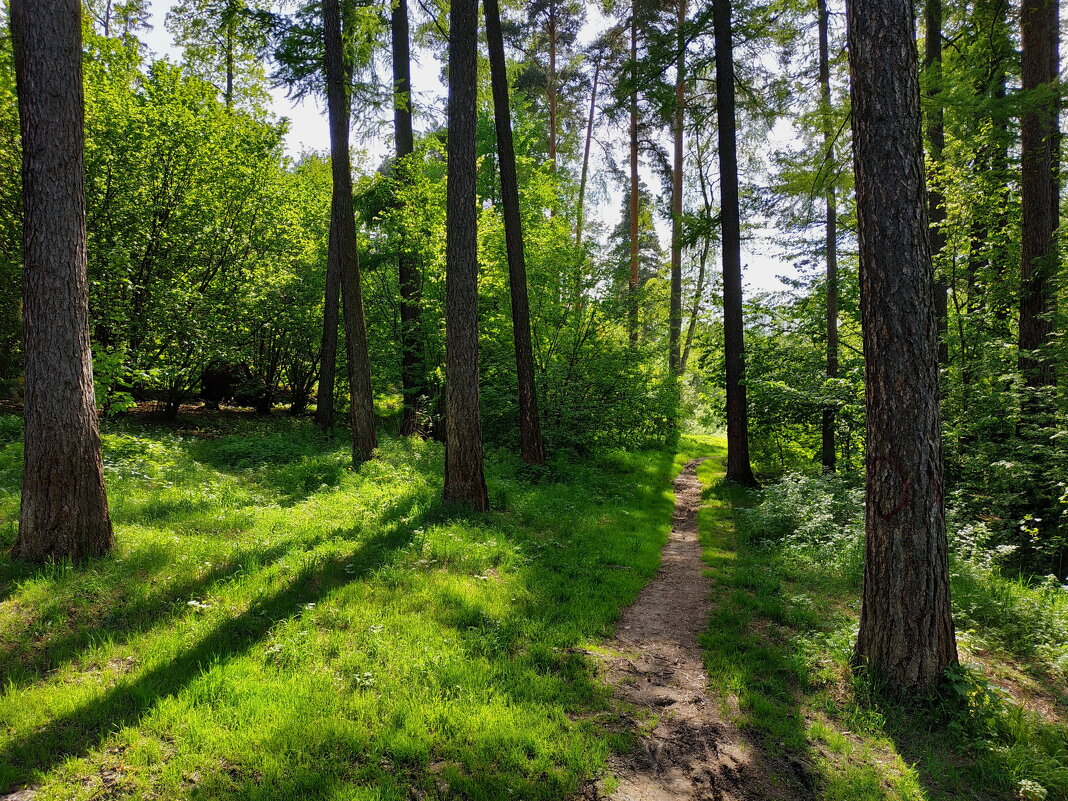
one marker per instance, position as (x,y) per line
(308,131)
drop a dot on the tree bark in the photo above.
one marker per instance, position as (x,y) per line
(342,247)
(632,284)
(464,478)
(553,90)
(739,469)
(64,511)
(828,451)
(906,626)
(1038,188)
(936,140)
(407,265)
(324,401)
(675,311)
(586,154)
(530,443)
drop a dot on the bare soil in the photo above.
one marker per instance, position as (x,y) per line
(692,751)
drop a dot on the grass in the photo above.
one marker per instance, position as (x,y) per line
(778,647)
(277,625)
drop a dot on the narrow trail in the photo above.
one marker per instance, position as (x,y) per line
(692,752)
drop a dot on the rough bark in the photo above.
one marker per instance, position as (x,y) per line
(828,451)
(324,401)
(675,310)
(464,478)
(739,469)
(407,264)
(632,284)
(936,142)
(342,247)
(586,154)
(530,443)
(906,626)
(1038,188)
(64,512)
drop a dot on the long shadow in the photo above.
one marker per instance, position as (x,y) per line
(85,728)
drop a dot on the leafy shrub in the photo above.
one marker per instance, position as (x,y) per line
(10,428)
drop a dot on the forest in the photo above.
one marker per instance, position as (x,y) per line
(636,400)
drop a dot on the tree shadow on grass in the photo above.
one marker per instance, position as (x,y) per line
(79,731)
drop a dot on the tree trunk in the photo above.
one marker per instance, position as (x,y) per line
(1038,188)
(739,469)
(586,154)
(412,379)
(906,625)
(342,248)
(64,513)
(324,401)
(632,284)
(936,140)
(675,313)
(464,478)
(705,247)
(553,89)
(828,451)
(530,443)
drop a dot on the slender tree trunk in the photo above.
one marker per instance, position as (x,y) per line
(229,95)
(632,284)
(464,478)
(698,294)
(64,513)
(1038,188)
(530,443)
(739,469)
(936,140)
(343,241)
(586,153)
(407,263)
(829,453)
(324,402)
(675,313)
(906,625)
(553,89)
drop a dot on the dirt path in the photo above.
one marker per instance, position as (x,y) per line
(692,752)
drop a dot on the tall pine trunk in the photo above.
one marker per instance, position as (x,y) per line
(554,91)
(936,141)
(412,378)
(632,284)
(342,247)
(64,512)
(828,450)
(530,443)
(1038,188)
(739,469)
(586,154)
(906,625)
(675,313)
(464,478)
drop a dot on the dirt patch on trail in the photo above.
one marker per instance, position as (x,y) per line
(692,753)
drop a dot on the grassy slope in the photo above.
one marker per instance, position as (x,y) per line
(777,650)
(275,625)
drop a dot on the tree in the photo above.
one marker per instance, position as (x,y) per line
(739,469)
(936,140)
(407,264)
(1038,187)
(64,512)
(828,452)
(530,444)
(634,182)
(464,478)
(906,625)
(342,249)
(675,312)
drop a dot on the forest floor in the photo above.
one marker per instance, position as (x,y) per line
(278,625)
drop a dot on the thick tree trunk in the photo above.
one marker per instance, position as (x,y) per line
(342,248)
(828,451)
(1038,188)
(586,154)
(632,284)
(64,513)
(530,444)
(675,312)
(412,379)
(906,625)
(324,402)
(464,478)
(936,141)
(739,469)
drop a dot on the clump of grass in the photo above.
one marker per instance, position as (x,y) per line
(276,624)
(786,588)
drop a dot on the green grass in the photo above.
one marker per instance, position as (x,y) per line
(778,648)
(277,625)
